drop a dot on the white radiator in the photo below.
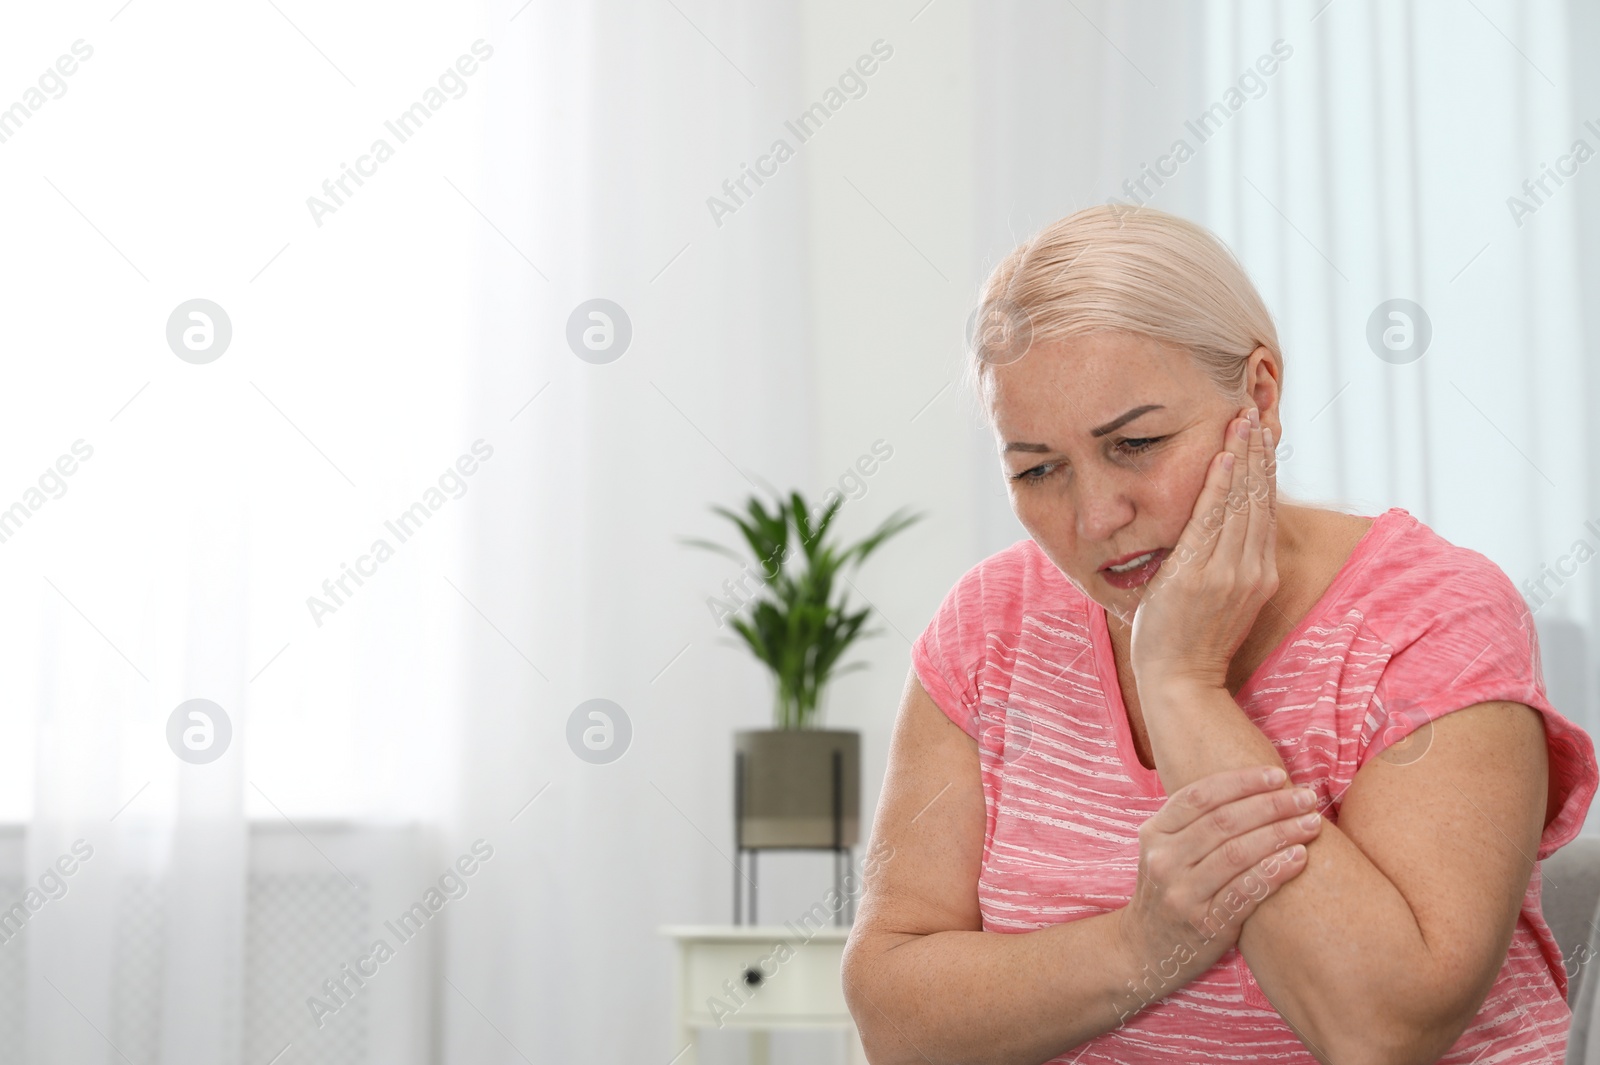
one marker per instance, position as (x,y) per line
(315,906)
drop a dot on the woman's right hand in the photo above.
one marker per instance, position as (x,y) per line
(1206,860)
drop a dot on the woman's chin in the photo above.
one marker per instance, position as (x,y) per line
(1120,603)
(1116,602)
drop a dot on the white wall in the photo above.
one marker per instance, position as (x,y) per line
(892,279)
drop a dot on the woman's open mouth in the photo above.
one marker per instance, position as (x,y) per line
(1134,570)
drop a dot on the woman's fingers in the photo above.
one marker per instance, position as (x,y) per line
(1270,467)
(1238,854)
(1214,848)
(1259,535)
(1269,470)
(1196,800)
(1250,888)
(1233,820)
(1199,539)
(1231,539)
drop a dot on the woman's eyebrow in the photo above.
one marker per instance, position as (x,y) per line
(1111,426)
(1121,420)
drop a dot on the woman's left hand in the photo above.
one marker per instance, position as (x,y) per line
(1199,607)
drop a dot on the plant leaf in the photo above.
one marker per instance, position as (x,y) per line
(798,627)
(710,546)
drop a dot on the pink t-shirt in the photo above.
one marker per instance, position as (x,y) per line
(1412,628)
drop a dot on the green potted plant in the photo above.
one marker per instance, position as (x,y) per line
(800,630)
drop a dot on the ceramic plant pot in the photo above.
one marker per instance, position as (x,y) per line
(785,794)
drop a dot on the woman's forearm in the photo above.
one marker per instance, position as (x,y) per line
(991,998)
(1324,946)
(1327,946)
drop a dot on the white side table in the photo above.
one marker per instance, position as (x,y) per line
(740,976)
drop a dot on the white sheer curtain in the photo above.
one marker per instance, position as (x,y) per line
(423,320)
(167,852)
(615,123)
(177,516)
(1383,170)
(1359,153)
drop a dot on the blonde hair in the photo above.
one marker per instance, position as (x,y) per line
(1127,269)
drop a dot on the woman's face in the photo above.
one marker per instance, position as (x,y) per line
(1105,440)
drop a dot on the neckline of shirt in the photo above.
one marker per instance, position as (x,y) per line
(1383,527)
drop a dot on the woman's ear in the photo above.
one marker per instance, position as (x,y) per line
(1263,380)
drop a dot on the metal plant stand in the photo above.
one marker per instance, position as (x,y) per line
(842,855)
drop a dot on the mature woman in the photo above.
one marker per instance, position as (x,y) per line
(1192,774)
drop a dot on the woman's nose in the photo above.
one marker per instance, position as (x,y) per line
(1103,507)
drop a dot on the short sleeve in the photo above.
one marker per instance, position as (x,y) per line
(1470,638)
(945,658)
(951,653)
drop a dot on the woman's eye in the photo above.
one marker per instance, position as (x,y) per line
(1035,474)
(1142,443)
(1136,446)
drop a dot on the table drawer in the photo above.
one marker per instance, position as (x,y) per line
(748,983)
